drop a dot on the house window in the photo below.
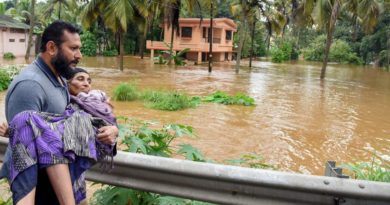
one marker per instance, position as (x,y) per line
(16,30)
(11,40)
(204,32)
(228,35)
(186,32)
(22,40)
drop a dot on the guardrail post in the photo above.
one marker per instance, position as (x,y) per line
(332,171)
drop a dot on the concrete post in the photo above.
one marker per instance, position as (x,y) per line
(199,57)
(151,54)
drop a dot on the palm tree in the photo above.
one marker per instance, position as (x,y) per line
(59,4)
(30,33)
(326,12)
(148,9)
(116,15)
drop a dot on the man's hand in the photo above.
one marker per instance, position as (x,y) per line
(108,134)
(4,131)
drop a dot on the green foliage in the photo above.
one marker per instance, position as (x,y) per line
(191,153)
(89,42)
(8,56)
(5,80)
(109,53)
(126,92)
(251,160)
(340,51)
(159,59)
(167,100)
(373,171)
(315,50)
(177,57)
(5,201)
(284,51)
(139,137)
(223,98)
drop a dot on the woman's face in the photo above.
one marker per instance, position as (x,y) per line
(81,82)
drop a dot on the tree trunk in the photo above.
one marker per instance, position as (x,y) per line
(211,39)
(121,49)
(143,40)
(252,44)
(30,33)
(241,36)
(171,46)
(332,24)
(59,11)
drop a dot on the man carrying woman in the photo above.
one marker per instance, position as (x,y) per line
(41,87)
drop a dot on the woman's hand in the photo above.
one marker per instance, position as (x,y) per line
(4,131)
(108,134)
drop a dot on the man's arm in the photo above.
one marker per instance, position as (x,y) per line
(26,95)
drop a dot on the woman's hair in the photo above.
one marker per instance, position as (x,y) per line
(74,71)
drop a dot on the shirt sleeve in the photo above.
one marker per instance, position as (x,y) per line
(26,95)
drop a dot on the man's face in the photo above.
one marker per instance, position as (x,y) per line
(68,54)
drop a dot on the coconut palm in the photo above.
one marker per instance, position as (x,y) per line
(30,33)
(116,15)
(59,5)
(326,12)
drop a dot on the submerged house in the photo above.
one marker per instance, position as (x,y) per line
(13,36)
(194,35)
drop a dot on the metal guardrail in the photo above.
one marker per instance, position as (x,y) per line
(233,185)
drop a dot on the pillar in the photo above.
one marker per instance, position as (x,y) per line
(151,54)
(199,57)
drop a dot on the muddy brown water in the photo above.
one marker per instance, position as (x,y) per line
(298,123)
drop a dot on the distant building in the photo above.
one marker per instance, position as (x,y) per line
(13,36)
(194,35)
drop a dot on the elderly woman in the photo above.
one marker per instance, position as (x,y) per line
(72,138)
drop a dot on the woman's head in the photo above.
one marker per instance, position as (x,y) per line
(79,81)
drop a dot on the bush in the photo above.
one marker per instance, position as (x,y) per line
(8,56)
(5,79)
(89,44)
(110,52)
(340,51)
(168,100)
(284,51)
(315,50)
(126,92)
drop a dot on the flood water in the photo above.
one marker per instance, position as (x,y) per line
(298,123)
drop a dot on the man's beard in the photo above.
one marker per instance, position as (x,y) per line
(62,65)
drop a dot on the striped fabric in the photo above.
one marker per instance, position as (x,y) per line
(46,139)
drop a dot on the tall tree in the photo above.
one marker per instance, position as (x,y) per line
(31,31)
(116,15)
(59,5)
(326,12)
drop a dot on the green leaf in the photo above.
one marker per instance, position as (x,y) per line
(191,153)
(137,145)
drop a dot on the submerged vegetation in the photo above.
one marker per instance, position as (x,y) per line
(175,100)
(126,92)
(223,98)
(167,100)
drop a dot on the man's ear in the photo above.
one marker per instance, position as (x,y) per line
(52,48)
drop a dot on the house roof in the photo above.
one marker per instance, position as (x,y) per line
(9,22)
